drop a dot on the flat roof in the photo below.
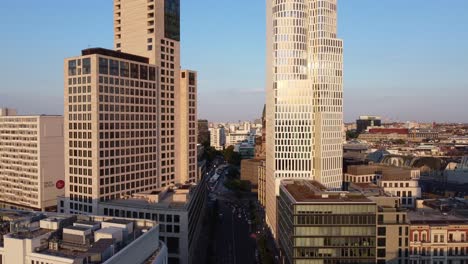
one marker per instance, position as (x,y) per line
(304,191)
(434,217)
(79,228)
(115,54)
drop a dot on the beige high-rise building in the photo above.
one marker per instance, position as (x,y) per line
(130,113)
(111,123)
(304,111)
(188,125)
(31,161)
(151,28)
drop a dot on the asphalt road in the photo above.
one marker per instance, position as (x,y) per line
(233,243)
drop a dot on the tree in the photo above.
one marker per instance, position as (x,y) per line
(231,156)
(351,134)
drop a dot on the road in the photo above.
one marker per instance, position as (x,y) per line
(233,241)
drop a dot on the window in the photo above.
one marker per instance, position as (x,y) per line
(381,231)
(134,71)
(381,242)
(114,67)
(124,69)
(72,67)
(86,66)
(380,252)
(103,66)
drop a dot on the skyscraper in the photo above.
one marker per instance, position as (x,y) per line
(304,96)
(151,28)
(130,114)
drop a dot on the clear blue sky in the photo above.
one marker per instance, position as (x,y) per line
(404,60)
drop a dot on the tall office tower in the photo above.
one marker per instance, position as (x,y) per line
(151,28)
(304,96)
(188,125)
(111,128)
(31,161)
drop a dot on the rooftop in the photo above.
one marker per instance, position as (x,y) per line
(115,54)
(434,217)
(305,191)
(46,232)
(176,198)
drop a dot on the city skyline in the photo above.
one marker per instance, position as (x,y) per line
(389,62)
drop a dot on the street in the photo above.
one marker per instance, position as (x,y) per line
(233,242)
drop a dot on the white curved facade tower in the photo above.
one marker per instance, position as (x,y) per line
(304,95)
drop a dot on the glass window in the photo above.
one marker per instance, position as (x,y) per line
(72,67)
(143,72)
(124,69)
(103,66)
(87,66)
(114,67)
(152,74)
(134,71)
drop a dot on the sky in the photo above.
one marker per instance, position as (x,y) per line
(403,60)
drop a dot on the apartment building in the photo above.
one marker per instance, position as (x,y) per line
(437,237)
(49,238)
(31,161)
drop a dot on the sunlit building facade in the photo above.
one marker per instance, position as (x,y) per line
(304,96)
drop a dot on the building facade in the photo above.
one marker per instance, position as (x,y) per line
(151,28)
(249,171)
(31,161)
(304,110)
(438,238)
(320,227)
(111,128)
(262,183)
(187,149)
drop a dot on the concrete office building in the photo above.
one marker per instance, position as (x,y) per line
(151,28)
(31,161)
(316,226)
(367,121)
(111,128)
(304,87)
(179,212)
(187,149)
(40,238)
